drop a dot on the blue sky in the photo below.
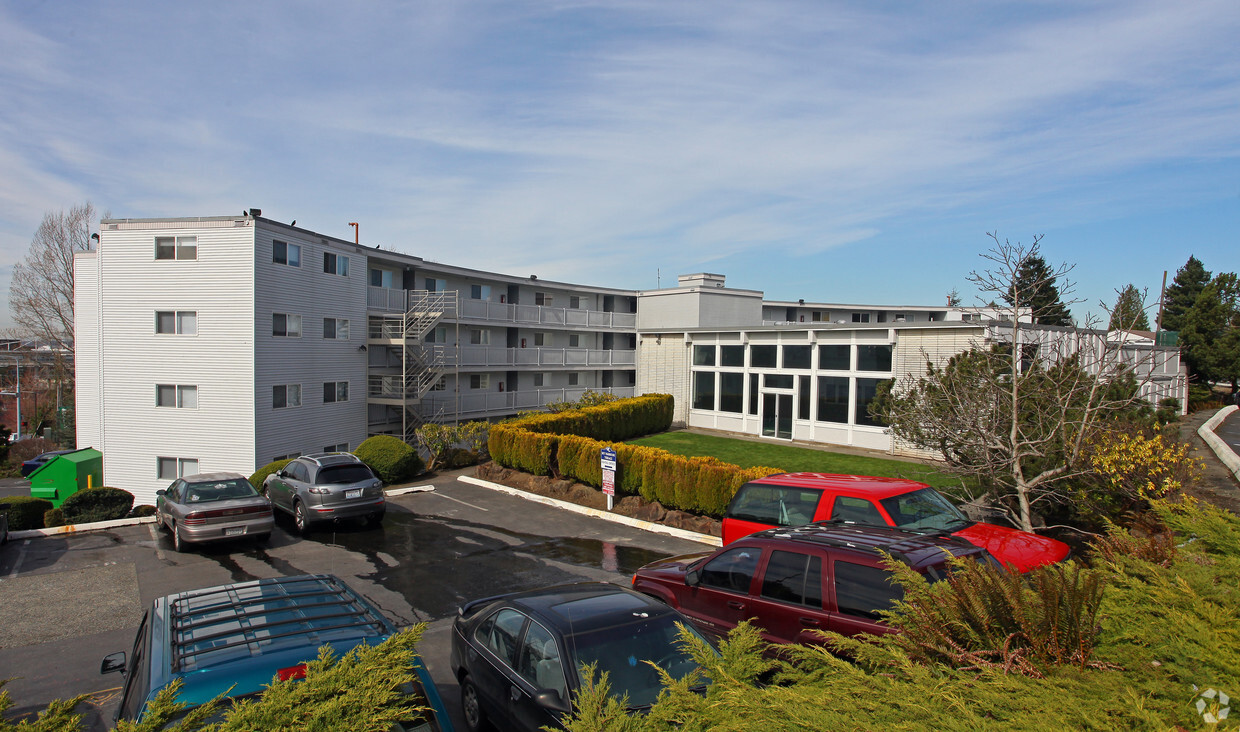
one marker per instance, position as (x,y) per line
(831,151)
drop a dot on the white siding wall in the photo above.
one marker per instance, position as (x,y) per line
(219,286)
(87,366)
(309,360)
(663,368)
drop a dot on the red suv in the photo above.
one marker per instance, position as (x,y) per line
(792,582)
(793,499)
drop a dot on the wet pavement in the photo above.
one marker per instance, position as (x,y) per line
(434,551)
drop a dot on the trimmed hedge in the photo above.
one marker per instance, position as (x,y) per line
(97,504)
(25,512)
(54,517)
(261,474)
(392,459)
(536,445)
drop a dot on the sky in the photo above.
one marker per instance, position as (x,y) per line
(855,152)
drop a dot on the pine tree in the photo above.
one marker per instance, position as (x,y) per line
(1210,331)
(1129,312)
(1182,293)
(1034,286)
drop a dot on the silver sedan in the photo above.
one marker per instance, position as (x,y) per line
(213,507)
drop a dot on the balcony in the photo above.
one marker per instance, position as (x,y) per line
(492,403)
(497,357)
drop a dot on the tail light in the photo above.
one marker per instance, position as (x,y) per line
(292,672)
(201,517)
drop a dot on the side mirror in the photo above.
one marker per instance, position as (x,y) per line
(161,492)
(693,577)
(113,662)
(550,699)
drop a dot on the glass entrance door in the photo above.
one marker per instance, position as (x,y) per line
(777,415)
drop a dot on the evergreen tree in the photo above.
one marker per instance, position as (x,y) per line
(1182,293)
(1034,287)
(1129,312)
(1210,331)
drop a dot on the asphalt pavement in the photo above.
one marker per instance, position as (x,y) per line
(68,600)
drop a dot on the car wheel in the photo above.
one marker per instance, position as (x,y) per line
(178,544)
(471,707)
(300,520)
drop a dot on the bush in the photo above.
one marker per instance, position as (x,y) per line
(23,450)
(393,460)
(261,474)
(54,517)
(142,511)
(1168,410)
(25,512)
(97,504)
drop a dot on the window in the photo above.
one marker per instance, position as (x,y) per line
(289,456)
(335,391)
(777,381)
(753,394)
(762,357)
(435,285)
(285,326)
(543,298)
(732,571)
(336,329)
(176,322)
(866,391)
(171,468)
(542,379)
(479,381)
(336,264)
(793,577)
(704,355)
(542,339)
(857,511)
(860,317)
(777,505)
(574,340)
(803,397)
(285,395)
(833,399)
(797,357)
(574,302)
(816,316)
(480,292)
(864,591)
(440,385)
(731,355)
(874,358)
(834,358)
(176,247)
(479,337)
(539,661)
(703,389)
(731,392)
(342,447)
(574,379)
(382,278)
(437,335)
(285,253)
(176,396)
(499,634)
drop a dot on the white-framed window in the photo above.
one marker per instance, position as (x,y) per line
(176,322)
(382,278)
(336,329)
(435,285)
(336,264)
(285,253)
(543,298)
(335,391)
(479,381)
(285,325)
(574,379)
(289,456)
(441,385)
(479,337)
(285,395)
(542,379)
(341,447)
(178,396)
(574,301)
(574,340)
(437,335)
(860,317)
(543,340)
(176,247)
(480,292)
(171,468)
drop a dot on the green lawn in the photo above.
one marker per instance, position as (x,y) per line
(748,453)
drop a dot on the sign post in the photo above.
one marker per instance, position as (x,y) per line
(607,458)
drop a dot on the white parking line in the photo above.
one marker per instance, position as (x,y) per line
(464,503)
(21,554)
(155,535)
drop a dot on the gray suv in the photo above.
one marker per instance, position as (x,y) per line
(326,486)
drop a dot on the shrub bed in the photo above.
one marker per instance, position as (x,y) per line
(97,504)
(392,459)
(261,474)
(25,512)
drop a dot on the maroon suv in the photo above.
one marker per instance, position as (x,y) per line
(793,581)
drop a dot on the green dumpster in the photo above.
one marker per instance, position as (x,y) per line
(64,475)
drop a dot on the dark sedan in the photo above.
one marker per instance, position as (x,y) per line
(39,461)
(518,657)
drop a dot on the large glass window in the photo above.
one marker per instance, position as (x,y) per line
(864,591)
(703,389)
(803,398)
(704,355)
(833,399)
(866,390)
(797,357)
(762,357)
(731,392)
(834,357)
(753,393)
(731,355)
(793,577)
(778,381)
(874,358)
(732,571)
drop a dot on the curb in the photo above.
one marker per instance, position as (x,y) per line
(597,513)
(79,528)
(409,489)
(1220,448)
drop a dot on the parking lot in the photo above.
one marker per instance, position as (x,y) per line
(68,600)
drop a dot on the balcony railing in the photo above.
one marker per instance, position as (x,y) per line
(499,312)
(485,356)
(493,402)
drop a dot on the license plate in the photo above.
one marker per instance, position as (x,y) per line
(235,531)
(353,494)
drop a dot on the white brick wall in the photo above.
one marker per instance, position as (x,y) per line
(663,368)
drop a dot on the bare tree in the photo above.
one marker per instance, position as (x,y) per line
(41,291)
(1017,412)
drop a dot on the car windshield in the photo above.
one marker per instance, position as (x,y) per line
(924,510)
(342,474)
(219,490)
(621,652)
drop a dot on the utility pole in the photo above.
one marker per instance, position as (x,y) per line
(1158,320)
